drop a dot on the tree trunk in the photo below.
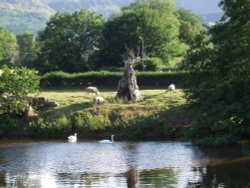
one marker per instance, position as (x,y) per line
(127,86)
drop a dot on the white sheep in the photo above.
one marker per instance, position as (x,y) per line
(92,89)
(98,100)
(171,87)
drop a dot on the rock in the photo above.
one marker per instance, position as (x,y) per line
(50,104)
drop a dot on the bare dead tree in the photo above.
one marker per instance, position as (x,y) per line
(128,88)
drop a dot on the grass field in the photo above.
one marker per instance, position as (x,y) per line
(158,115)
(77,100)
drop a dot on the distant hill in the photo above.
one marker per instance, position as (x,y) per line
(24,15)
(31,15)
(106,7)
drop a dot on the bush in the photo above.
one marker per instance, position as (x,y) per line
(105,79)
(214,129)
(154,127)
(15,85)
(11,126)
(151,64)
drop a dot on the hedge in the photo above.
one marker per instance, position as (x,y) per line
(105,79)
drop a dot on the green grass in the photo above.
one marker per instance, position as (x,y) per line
(159,115)
(78,100)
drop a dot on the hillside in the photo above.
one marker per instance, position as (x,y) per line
(31,15)
(106,7)
(24,15)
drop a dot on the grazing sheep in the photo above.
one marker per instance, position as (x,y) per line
(92,89)
(98,100)
(171,87)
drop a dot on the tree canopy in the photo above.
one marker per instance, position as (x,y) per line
(7,45)
(27,49)
(152,20)
(69,40)
(82,41)
(221,92)
(190,25)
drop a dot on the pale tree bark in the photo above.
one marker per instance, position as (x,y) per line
(128,88)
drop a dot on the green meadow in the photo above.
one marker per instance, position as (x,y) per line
(159,115)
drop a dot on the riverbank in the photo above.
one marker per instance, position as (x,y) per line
(159,115)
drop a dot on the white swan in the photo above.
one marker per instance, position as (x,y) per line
(72,137)
(107,141)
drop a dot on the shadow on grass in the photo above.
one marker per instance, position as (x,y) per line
(60,111)
(153,96)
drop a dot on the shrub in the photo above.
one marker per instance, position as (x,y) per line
(151,64)
(214,129)
(105,79)
(15,85)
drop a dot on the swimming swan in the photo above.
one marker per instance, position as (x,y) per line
(107,141)
(72,137)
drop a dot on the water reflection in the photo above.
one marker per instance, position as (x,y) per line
(123,164)
(2,180)
(222,167)
(226,174)
(166,177)
(132,178)
(130,152)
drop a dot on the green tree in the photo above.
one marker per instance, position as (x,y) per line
(154,21)
(15,85)
(190,25)
(221,91)
(7,45)
(27,49)
(69,40)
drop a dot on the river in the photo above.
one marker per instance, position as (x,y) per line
(46,163)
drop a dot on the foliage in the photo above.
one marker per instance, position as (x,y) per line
(76,42)
(107,79)
(151,64)
(27,49)
(7,45)
(13,127)
(220,76)
(190,25)
(15,85)
(154,21)
(69,40)
(154,127)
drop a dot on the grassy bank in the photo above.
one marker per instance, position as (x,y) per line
(159,115)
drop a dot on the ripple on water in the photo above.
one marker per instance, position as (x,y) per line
(61,164)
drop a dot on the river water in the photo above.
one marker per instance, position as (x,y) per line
(122,164)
